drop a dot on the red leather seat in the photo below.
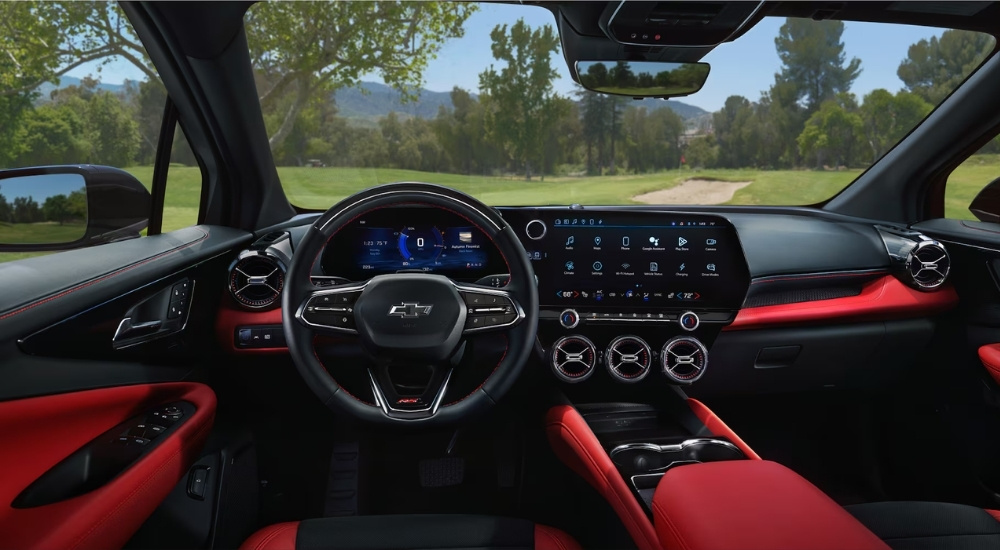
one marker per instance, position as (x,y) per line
(405,532)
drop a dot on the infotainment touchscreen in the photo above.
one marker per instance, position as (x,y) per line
(639,260)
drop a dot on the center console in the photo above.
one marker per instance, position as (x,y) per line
(630,297)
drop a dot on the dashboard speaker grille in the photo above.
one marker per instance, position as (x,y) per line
(928,265)
(573,358)
(628,358)
(255,281)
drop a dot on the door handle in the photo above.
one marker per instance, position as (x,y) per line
(127,330)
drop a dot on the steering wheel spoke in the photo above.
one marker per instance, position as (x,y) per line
(331,310)
(408,399)
(489,309)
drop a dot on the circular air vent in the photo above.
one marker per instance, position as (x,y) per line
(573,358)
(683,359)
(628,358)
(928,265)
(256,280)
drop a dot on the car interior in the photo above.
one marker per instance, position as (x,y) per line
(823,376)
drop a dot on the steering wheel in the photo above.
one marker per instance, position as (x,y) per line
(409,320)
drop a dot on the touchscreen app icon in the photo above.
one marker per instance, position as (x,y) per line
(570,265)
(625,241)
(654,241)
(681,241)
(570,240)
(653,266)
(710,242)
(597,241)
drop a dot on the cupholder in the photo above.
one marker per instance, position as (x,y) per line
(647,458)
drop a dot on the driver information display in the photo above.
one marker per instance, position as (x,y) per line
(411,239)
(641,260)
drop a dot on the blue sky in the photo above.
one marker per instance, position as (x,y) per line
(744,67)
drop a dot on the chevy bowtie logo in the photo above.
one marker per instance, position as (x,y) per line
(409,310)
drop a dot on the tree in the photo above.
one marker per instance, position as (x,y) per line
(935,67)
(732,124)
(702,152)
(111,132)
(56,208)
(314,48)
(813,59)
(518,99)
(886,118)
(26,210)
(51,134)
(832,132)
(42,41)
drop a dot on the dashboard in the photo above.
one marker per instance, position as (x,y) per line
(635,297)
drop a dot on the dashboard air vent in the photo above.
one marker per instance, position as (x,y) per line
(573,358)
(928,265)
(684,359)
(628,358)
(256,280)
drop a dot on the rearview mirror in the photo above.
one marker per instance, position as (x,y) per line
(642,78)
(64,207)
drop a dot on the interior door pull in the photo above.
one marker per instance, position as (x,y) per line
(127,330)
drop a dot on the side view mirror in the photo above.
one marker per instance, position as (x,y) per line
(986,206)
(53,208)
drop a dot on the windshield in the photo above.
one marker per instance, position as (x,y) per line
(479,97)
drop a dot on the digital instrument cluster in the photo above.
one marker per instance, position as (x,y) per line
(411,239)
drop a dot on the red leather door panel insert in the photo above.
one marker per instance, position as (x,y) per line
(38,432)
(884,298)
(990,356)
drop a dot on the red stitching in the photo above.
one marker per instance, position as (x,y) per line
(103,277)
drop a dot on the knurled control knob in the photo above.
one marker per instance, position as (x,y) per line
(569,318)
(689,321)
(536,229)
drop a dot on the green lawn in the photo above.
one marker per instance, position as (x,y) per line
(41,233)
(321,187)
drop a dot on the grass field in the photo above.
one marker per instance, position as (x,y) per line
(320,188)
(44,232)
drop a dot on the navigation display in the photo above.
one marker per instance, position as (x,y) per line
(640,260)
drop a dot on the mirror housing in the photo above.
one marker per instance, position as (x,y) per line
(986,206)
(642,78)
(117,207)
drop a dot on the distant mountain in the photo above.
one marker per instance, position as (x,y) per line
(364,106)
(372,101)
(67,81)
(684,110)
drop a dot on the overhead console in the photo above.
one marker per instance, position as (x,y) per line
(632,292)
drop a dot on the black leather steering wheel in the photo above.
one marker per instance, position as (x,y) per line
(409,319)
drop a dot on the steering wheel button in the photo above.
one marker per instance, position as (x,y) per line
(475,321)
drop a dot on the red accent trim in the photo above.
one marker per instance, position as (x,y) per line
(883,298)
(719,428)
(231,316)
(280,536)
(994,513)
(576,446)
(550,538)
(990,356)
(70,290)
(39,432)
(751,504)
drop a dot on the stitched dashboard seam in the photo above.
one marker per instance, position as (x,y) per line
(102,278)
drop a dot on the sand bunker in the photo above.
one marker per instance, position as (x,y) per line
(694,191)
